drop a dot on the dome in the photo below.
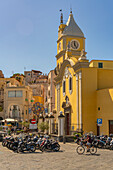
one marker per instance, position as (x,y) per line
(72,28)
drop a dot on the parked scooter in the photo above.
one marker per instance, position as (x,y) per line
(48,145)
(26,146)
(15,144)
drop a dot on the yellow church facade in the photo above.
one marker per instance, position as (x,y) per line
(83,89)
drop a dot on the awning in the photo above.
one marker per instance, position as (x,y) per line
(9,120)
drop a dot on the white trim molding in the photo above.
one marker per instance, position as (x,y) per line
(77,100)
(80,98)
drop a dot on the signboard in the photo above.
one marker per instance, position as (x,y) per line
(33,121)
(99,122)
(33,126)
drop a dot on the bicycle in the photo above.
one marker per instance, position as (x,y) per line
(82,147)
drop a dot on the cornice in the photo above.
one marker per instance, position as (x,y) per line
(60,54)
(74,53)
(16,87)
(67,62)
(71,36)
(70,63)
(80,65)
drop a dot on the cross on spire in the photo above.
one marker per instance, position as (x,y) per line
(61,17)
(70,10)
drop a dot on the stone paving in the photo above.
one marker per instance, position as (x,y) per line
(66,159)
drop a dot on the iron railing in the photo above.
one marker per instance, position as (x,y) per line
(69,129)
(72,128)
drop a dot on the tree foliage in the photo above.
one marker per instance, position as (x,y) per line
(43,126)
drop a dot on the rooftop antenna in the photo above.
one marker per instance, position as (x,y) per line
(61,17)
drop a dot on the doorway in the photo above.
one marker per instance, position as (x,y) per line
(14,112)
(67,123)
(110,126)
(98,130)
(67,113)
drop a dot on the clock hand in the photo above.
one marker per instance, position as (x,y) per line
(75,44)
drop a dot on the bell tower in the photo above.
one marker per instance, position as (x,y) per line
(71,40)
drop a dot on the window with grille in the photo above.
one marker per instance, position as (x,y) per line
(15,93)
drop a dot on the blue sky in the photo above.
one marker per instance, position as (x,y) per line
(29,31)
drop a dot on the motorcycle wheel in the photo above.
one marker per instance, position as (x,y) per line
(111,147)
(10,146)
(3,143)
(37,147)
(14,148)
(100,146)
(32,148)
(20,149)
(57,148)
(107,147)
(42,148)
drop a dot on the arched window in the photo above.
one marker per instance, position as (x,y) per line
(70,85)
(64,87)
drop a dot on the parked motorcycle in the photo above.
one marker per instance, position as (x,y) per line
(15,144)
(26,146)
(48,145)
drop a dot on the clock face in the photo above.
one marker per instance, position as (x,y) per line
(75,44)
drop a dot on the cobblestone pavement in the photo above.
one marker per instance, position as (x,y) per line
(66,159)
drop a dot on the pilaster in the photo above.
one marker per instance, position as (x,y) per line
(77,100)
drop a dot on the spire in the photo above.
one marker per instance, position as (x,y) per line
(72,28)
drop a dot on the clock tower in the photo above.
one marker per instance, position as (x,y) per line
(71,41)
